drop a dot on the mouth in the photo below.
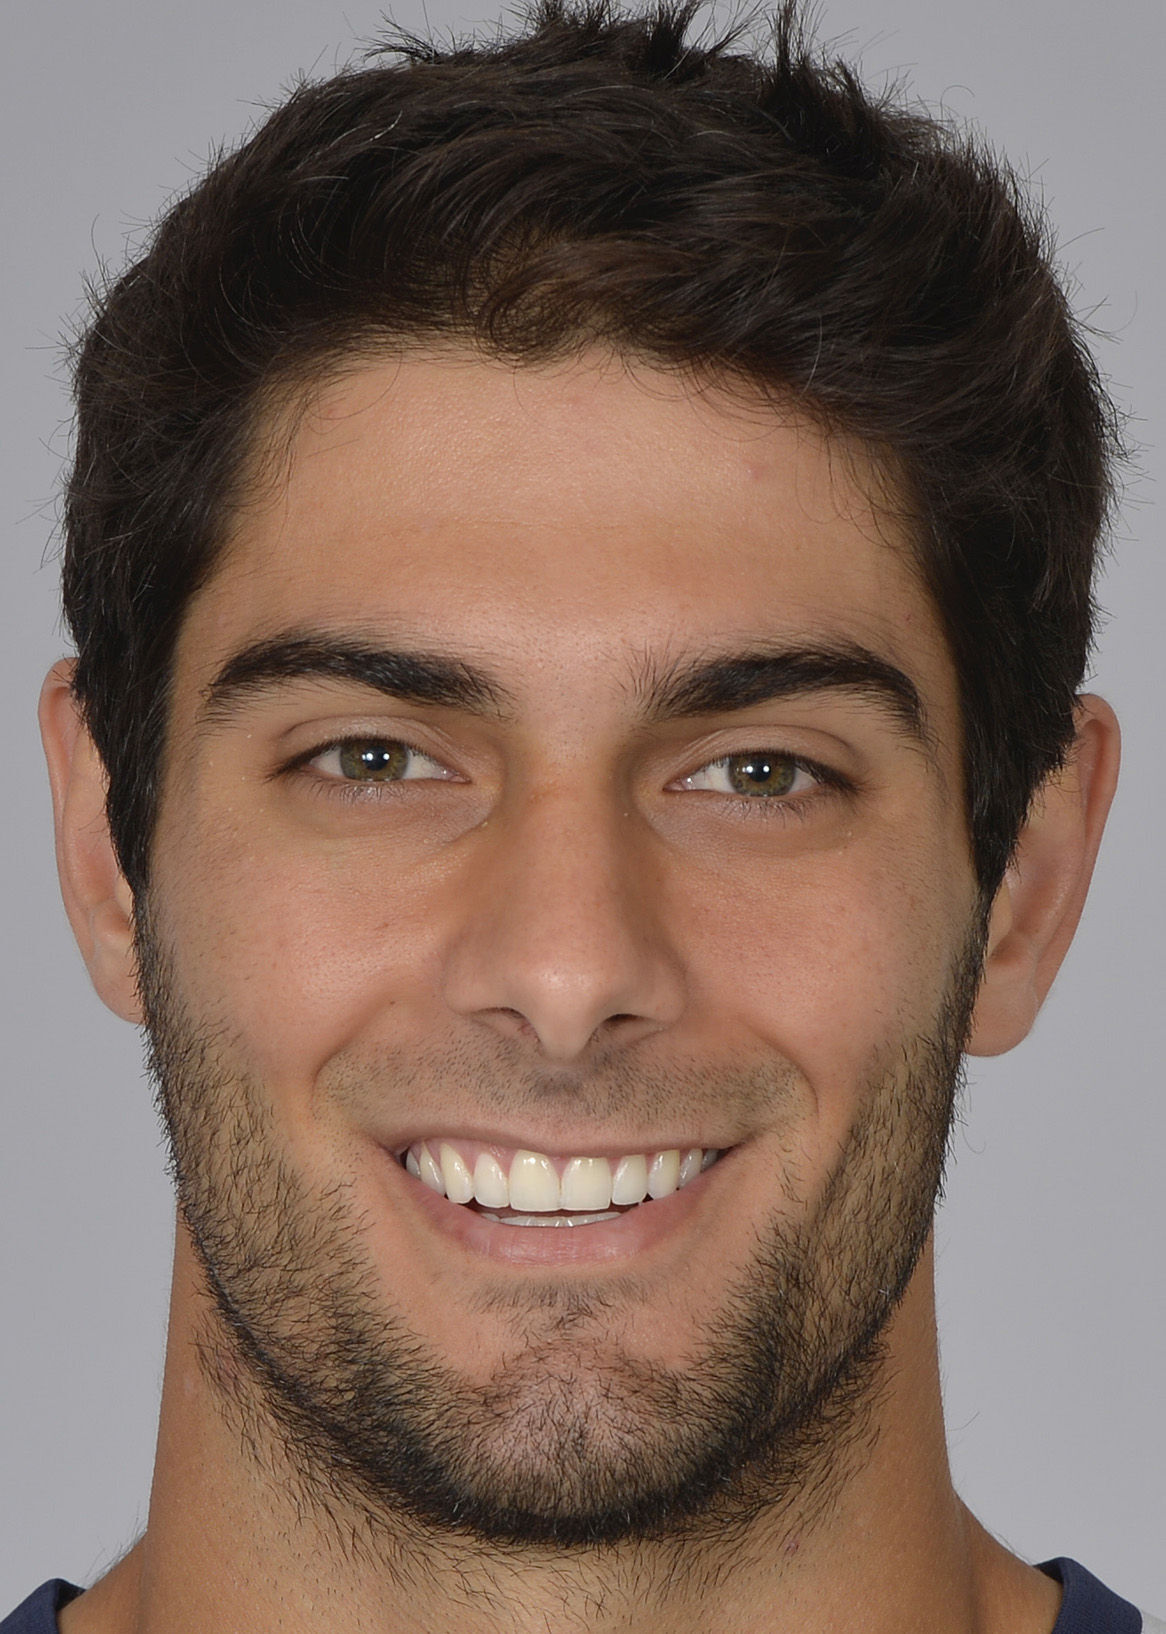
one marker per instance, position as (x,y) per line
(493,1185)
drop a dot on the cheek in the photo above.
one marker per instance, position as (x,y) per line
(829,960)
(296,953)
(833,964)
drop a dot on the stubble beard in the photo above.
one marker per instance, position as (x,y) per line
(573,1443)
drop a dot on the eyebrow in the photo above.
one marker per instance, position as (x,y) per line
(413,677)
(719,684)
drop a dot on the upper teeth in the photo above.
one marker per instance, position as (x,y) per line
(534,1184)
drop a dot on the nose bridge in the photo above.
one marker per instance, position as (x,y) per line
(562,930)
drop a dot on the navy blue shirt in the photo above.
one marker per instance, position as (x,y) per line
(1088,1607)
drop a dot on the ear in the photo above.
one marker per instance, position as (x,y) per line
(1037,907)
(97,899)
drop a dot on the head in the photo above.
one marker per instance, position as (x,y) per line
(626,412)
(600,179)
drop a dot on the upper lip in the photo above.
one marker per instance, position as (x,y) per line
(558,1146)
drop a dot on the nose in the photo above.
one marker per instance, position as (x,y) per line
(560,932)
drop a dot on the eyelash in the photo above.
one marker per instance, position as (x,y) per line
(773,807)
(346,788)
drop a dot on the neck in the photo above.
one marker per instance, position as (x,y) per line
(225,1547)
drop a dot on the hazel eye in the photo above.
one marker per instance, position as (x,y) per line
(376,760)
(763,773)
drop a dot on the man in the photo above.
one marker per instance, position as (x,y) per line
(580,558)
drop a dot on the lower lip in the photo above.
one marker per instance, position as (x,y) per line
(631,1233)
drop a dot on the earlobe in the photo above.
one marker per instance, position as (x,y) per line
(97,899)
(1037,908)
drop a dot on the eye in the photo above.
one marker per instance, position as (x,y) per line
(763,773)
(375,760)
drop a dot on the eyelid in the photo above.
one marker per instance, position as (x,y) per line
(826,777)
(304,759)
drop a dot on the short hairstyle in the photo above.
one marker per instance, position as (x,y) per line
(600,177)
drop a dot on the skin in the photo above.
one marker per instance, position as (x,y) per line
(562,896)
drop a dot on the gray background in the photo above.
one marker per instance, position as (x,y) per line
(1051,1266)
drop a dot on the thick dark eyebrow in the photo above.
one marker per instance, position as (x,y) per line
(704,686)
(410,677)
(719,684)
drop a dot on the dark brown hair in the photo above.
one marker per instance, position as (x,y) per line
(597,177)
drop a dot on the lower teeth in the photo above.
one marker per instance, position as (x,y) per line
(549,1219)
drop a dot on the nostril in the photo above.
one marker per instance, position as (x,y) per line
(512,1023)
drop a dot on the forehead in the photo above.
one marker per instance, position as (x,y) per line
(561,517)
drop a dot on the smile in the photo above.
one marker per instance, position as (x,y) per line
(527,1188)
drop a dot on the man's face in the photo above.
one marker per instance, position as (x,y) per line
(561,763)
